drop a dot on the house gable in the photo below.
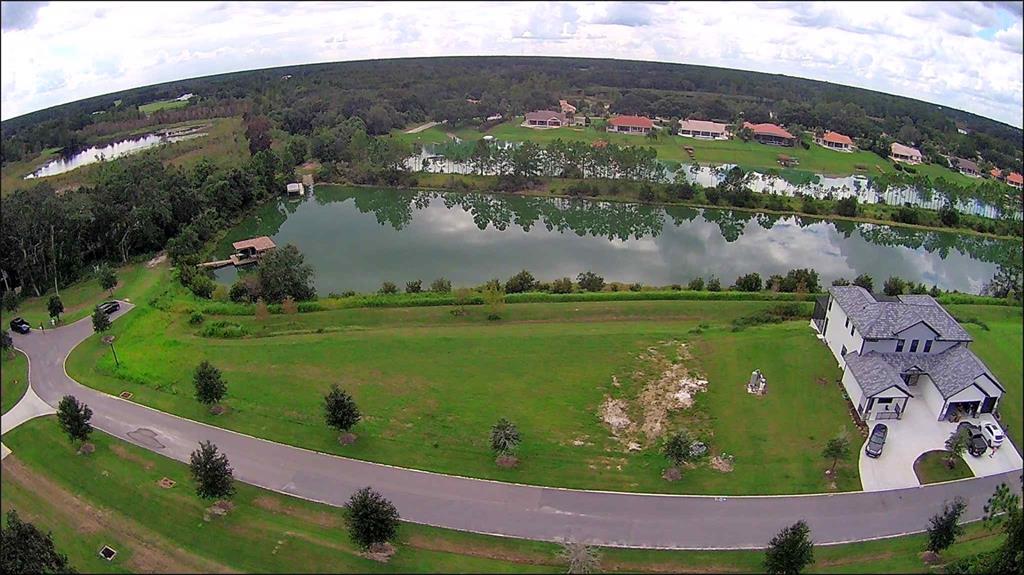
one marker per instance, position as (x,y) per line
(892,391)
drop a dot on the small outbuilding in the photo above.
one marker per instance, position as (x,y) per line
(295,189)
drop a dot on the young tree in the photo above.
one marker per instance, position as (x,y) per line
(55,307)
(289,306)
(210,470)
(461,297)
(11,300)
(74,418)
(414,286)
(340,410)
(563,285)
(107,277)
(284,272)
(750,282)
(388,288)
(372,520)
(1001,504)
(790,551)
(504,437)
(520,283)
(579,557)
(441,285)
(944,527)
(494,300)
(714,284)
(835,449)
(209,384)
(26,549)
(956,445)
(100,321)
(696,284)
(677,448)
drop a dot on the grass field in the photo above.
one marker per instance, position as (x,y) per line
(162,105)
(81,298)
(13,379)
(431,385)
(111,498)
(931,468)
(750,155)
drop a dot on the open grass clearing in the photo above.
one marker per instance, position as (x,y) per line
(931,467)
(162,105)
(13,379)
(431,384)
(111,498)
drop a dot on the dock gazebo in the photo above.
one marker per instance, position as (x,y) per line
(249,251)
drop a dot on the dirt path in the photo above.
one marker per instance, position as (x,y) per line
(422,127)
(151,553)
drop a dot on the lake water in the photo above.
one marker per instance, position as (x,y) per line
(356,238)
(114,150)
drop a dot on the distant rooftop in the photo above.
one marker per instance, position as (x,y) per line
(260,244)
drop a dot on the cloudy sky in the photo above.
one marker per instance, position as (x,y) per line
(964,55)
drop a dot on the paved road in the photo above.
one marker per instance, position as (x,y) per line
(635,520)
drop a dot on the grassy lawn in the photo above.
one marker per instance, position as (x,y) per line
(80,299)
(431,384)
(999,346)
(13,379)
(111,498)
(162,105)
(931,468)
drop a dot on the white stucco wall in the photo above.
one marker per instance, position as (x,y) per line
(853,389)
(837,333)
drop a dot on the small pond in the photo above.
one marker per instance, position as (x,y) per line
(115,150)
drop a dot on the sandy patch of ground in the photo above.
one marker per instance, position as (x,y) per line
(275,505)
(123,453)
(670,384)
(720,463)
(159,259)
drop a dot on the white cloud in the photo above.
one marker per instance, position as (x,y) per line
(965,55)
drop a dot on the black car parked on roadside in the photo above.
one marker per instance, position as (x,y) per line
(20,325)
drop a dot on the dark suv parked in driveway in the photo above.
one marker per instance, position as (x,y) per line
(109,307)
(20,325)
(976,442)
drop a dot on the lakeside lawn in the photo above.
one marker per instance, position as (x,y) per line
(671,147)
(13,379)
(931,467)
(111,498)
(162,105)
(431,384)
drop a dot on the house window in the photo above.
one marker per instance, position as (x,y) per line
(913,346)
(847,321)
(829,304)
(928,346)
(884,400)
(843,353)
(851,330)
(899,344)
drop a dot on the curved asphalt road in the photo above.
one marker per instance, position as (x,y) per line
(622,519)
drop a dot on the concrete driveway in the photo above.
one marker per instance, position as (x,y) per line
(918,432)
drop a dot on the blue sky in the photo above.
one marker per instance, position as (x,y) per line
(963,55)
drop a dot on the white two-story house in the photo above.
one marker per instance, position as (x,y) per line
(901,353)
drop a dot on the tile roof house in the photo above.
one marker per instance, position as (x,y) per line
(964,166)
(567,108)
(544,119)
(771,134)
(703,129)
(895,349)
(630,124)
(901,153)
(1015,180)
(996,173)
(836,141)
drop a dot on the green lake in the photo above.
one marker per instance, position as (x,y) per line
(357,238)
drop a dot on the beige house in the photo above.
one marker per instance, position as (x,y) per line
(836,141)
(906,154)
(544,119)
(703,129)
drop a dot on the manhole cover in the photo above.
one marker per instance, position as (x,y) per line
(126,395)
(107,553)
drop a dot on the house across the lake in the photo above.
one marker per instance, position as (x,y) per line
(965,167)
(897,349)
(544,119)
(835,141)
(1015,180)
(906,154)
(771,134)
(630,125)
(295,189)
(997,174)
(703,129)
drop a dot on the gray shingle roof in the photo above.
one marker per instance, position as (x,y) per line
(951,371)
(884,319)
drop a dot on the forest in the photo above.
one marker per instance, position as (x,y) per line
(386,94)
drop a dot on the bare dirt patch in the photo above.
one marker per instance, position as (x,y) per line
(719,463)
(151,552)
(218,509)
(507,461)
(166,483)
(274,505)
(86,449)
(121,452)
(347,438)
(669,385)
(380,552)
(159,259)
(475,549)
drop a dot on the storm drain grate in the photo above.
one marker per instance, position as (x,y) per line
(126,395)
(107,553)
